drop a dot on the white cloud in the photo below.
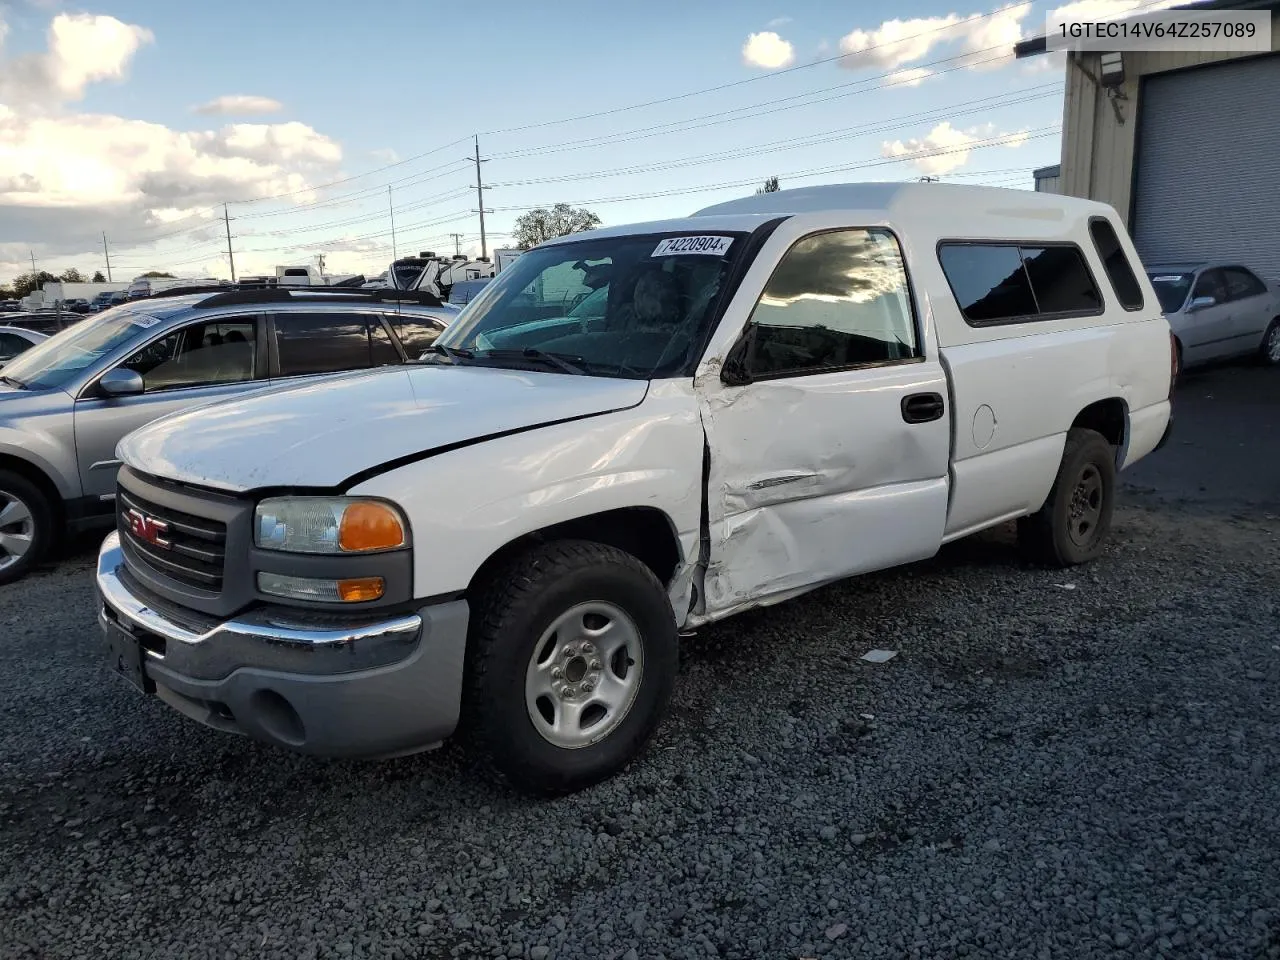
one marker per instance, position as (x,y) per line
(67,175)
(239,104)
(778,22)
(895,42)
(82,49)
(944,148)
(768,51)
(911,77)
(985,40)
(385,154)
(1108,9)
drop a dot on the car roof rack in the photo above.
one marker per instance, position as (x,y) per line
(261,293)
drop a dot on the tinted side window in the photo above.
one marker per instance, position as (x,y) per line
(382,351)
(1116,263)
(1241,283)
(322,343)
(198,355)
(1002,282)
(989,282)
(11,345)
(416,333)
(1060,280)
(836,299)
(1211,284)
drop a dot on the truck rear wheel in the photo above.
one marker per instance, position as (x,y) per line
(571,661)
(1073,525)
(26,526)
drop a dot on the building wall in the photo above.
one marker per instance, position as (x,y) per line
(1049,184)
(1097,148)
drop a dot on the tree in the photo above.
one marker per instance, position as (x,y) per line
(25,283)
(158,273)
(538,226)
(770,186)
(98,277)
(72,276)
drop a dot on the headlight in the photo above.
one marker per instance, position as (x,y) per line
(331,525)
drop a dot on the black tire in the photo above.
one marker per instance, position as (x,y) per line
(510,613)
(17,489)
(1072,527)
(1267,356)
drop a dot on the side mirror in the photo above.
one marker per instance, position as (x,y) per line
(1201,303)
(734,371)
(121,382)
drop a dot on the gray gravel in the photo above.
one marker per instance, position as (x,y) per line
(1041,772)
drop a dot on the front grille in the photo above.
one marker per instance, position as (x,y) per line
(194,551)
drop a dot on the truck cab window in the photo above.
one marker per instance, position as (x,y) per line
(836,300)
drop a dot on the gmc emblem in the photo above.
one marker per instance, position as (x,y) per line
(147,529)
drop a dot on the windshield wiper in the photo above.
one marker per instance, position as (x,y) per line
(12,382)
(453,353)
(563,363)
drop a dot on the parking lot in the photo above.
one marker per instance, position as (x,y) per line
(1055,765)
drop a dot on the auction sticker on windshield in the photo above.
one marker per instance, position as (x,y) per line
(144,321)
(708,246)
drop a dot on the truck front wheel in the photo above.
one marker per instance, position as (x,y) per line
(1072,526)
(571,661)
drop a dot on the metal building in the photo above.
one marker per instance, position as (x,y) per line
(1185,145)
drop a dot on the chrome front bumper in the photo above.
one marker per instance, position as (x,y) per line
(302,681)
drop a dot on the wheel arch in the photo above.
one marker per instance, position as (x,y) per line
(647,533)
(35,475)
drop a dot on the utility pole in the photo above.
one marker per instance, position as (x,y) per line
(106,254)
(226,219)
(457,243)
(484,247)
(392,209)
(33,261)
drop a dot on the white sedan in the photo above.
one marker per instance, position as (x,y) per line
(1218,311)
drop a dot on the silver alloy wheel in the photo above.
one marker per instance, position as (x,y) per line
(1273,344)
(584,675)
(17,529)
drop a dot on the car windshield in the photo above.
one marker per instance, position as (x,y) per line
(1171,288)
(54,362)
(632,306)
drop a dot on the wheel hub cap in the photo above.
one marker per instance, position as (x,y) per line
(584,675)
(17,529)
(1273,344)
(1085,509)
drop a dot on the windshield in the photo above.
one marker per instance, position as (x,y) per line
(630,306)
(1171,288)
(56,361)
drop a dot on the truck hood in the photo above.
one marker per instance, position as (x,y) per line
(323,433)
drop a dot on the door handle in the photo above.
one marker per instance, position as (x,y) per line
(922,407)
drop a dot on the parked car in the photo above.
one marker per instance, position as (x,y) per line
(65,404)
(16,340)
(76,305)
(508,537)
(41,321)
(1219,311)
(106,300)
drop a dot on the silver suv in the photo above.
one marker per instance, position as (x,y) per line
(65,404)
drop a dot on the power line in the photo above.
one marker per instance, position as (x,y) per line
(738,83)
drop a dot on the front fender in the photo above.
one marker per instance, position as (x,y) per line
(45,453)
(465,505)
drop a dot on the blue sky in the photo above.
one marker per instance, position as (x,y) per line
(396,80)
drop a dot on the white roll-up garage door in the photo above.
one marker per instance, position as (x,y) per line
(1208,165)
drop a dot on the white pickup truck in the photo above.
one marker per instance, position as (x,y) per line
(507,539)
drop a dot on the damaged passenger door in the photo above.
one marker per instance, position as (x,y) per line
(828,427)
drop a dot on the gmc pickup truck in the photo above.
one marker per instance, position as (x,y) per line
(507,538)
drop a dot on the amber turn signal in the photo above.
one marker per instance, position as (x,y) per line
(360,589)
(369,526)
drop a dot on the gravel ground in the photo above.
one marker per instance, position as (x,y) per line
(1069,765)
